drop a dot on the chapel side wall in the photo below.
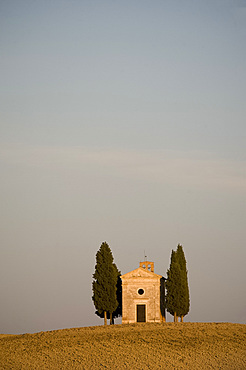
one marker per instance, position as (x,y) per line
(162,300)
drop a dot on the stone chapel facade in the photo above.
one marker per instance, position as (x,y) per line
(143,295)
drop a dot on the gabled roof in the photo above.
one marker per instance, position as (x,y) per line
(140,272)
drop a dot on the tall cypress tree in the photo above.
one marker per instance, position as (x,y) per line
(177,297)
(105,281)
(184,287)
(118,311)
(173,287)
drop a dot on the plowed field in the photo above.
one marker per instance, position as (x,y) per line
(136,346)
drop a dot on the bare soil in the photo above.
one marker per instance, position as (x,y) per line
(135,346)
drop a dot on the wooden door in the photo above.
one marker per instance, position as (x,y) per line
(141,313)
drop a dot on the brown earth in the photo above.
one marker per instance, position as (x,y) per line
(135,346)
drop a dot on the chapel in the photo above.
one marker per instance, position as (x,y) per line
(143,295)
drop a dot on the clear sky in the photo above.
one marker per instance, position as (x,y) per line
(120,121)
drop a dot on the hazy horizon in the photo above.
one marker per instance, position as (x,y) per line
(121,122)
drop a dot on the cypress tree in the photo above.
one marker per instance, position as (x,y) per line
(173,287)
(184,287)
(105,281)
(118,311)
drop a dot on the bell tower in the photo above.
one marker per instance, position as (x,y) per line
(147,265)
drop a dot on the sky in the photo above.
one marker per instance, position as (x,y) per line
(124,122)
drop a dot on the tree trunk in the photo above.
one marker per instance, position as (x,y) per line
(182,318)
(111,319)
(105,317)
(175,317)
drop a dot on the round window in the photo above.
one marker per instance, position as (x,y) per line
(140,291)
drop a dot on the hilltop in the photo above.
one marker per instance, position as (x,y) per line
(135,346)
